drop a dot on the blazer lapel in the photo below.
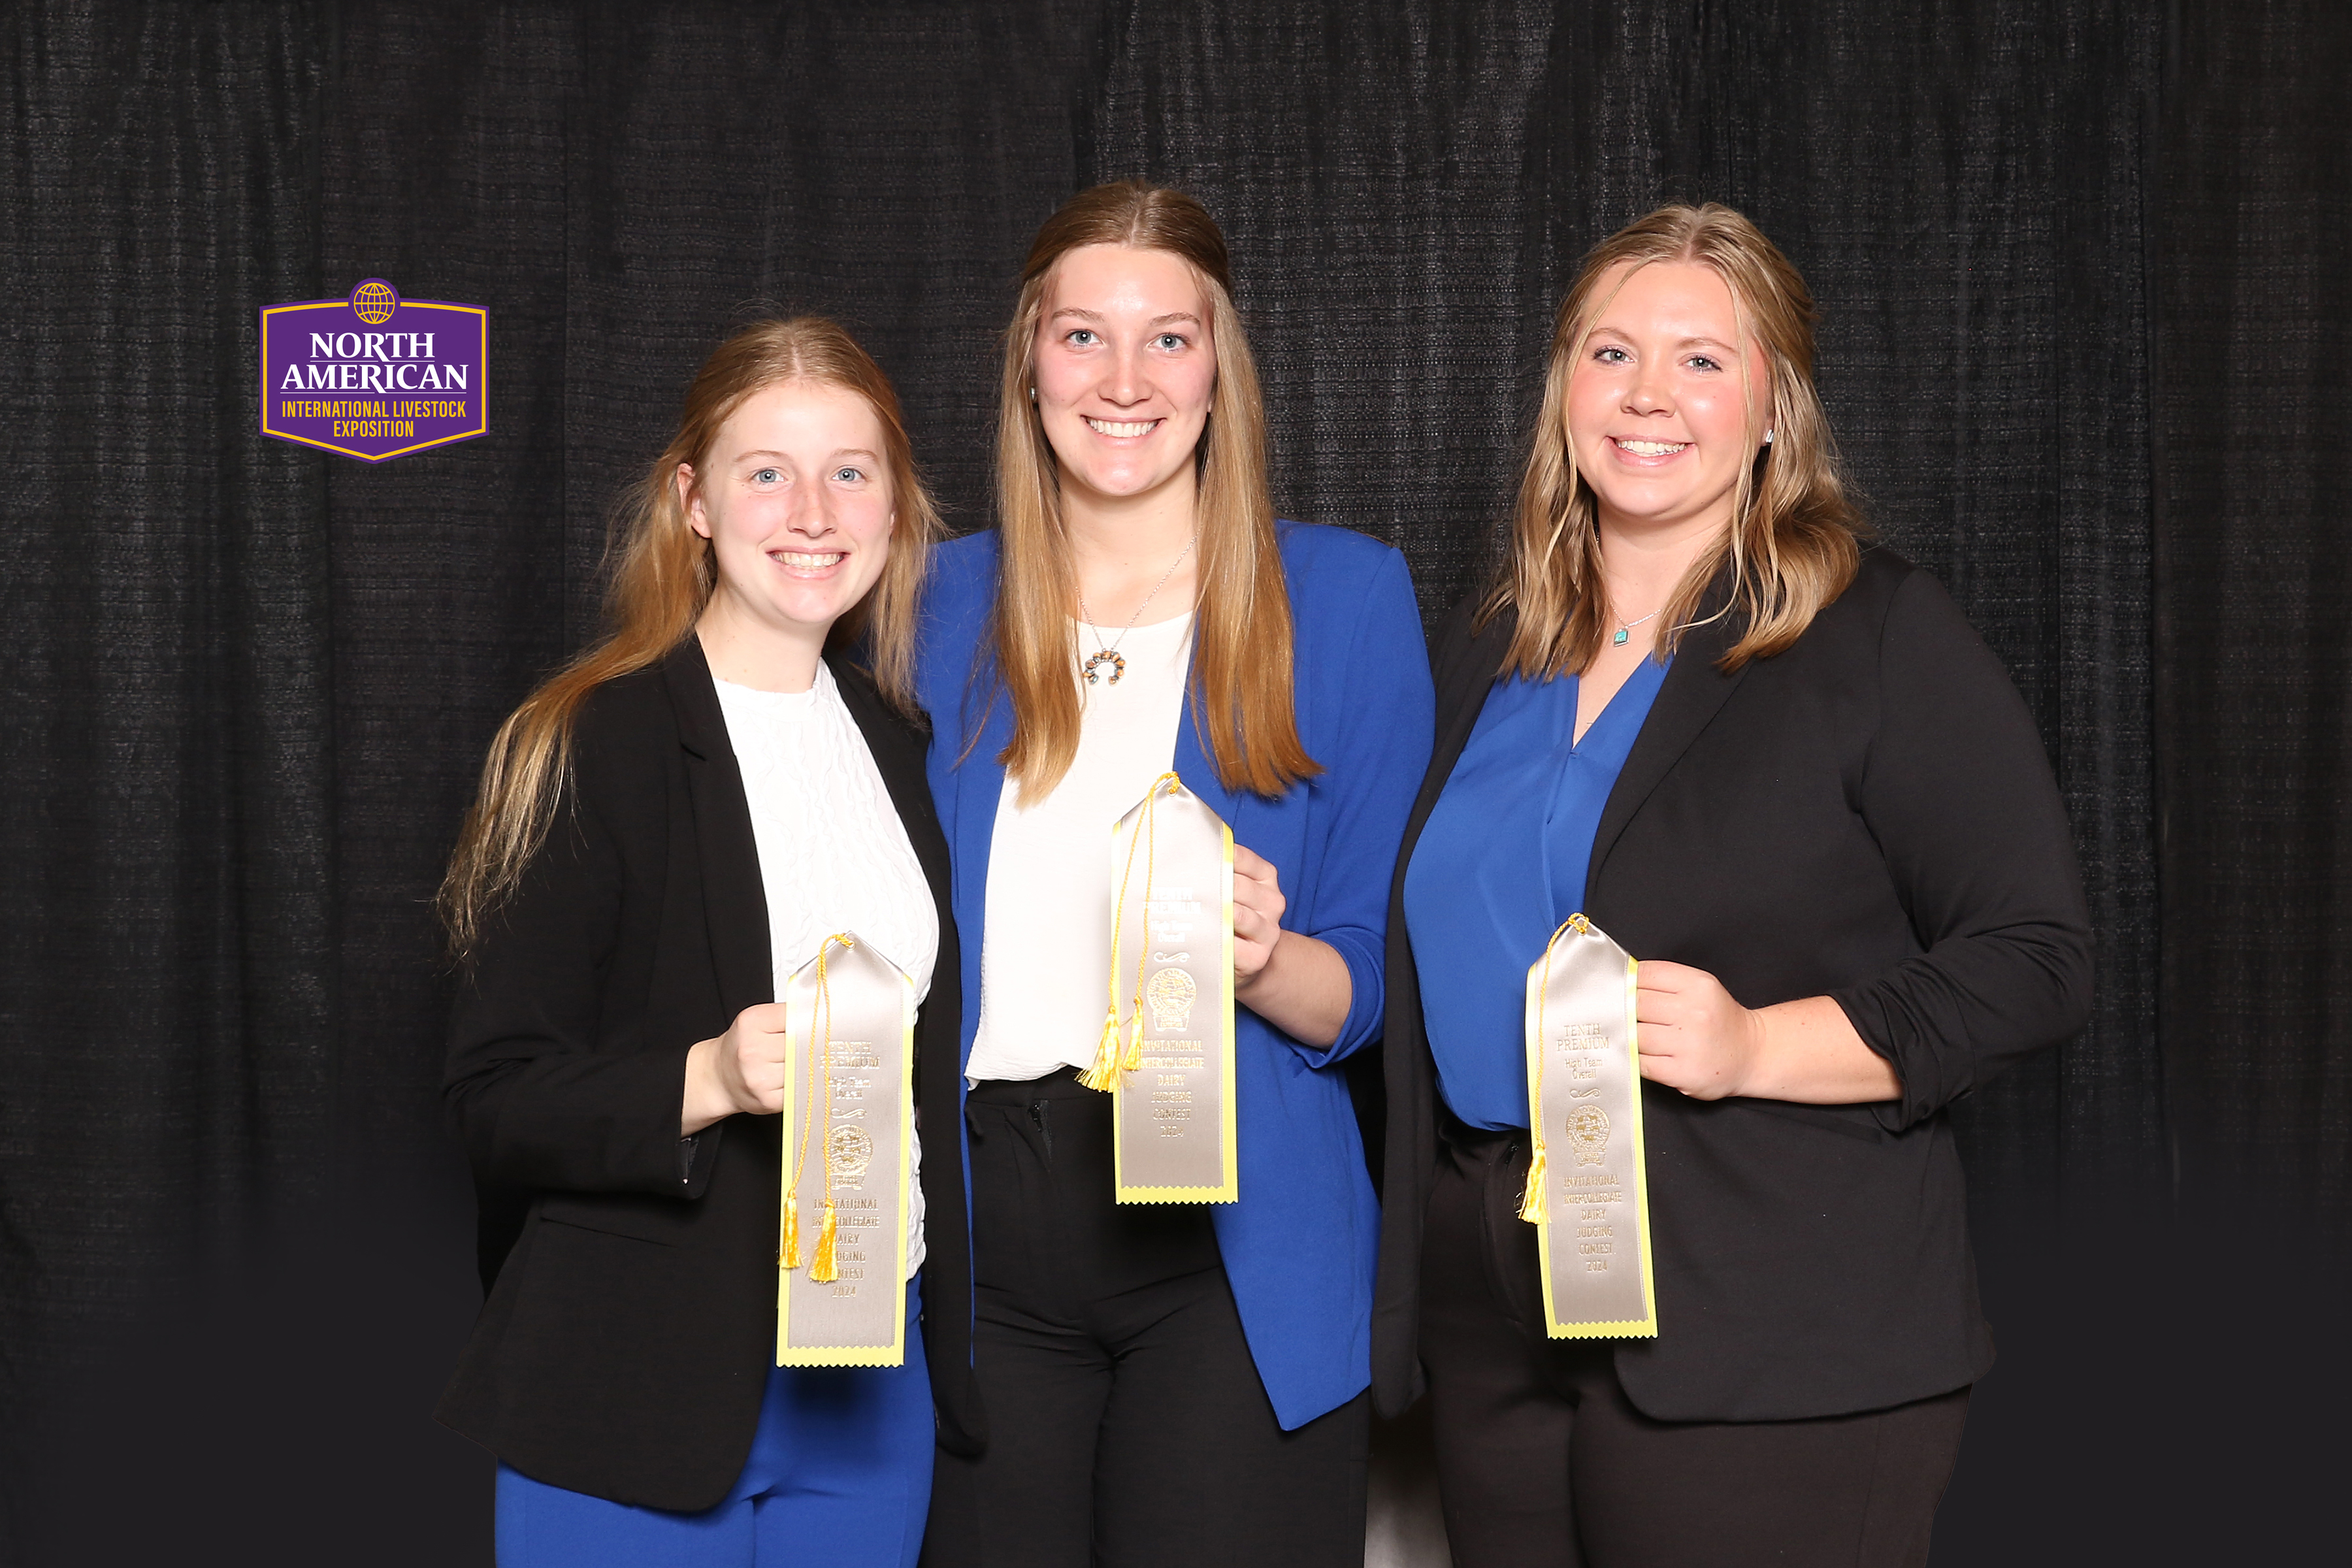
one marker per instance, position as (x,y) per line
(1694,691)
(733,902)
(1466,669)
(973,788)
(979,788)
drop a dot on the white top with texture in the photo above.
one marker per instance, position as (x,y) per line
(1044,957)
(833,855)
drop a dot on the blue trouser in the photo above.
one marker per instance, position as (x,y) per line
(840,1473)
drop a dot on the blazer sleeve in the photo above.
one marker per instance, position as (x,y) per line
(1959,793)
(1373,754)
(530,1093)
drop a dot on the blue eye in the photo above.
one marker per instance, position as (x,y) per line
(1171,342)
(1603,354)
(766,477)
(849,475)
(1080,336)
(1703,363)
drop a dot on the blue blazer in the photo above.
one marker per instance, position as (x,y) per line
(1299,1244)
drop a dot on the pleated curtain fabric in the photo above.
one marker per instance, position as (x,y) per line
(2084,315)
(2253,424)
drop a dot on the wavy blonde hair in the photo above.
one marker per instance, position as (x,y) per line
(1241,628)
(1794,540)
(663,574)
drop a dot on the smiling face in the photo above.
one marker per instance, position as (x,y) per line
(795,495)
(1659,403)
(1123,369)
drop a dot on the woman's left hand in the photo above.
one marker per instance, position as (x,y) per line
(1295,981)
(1258,904)
(1693,1036)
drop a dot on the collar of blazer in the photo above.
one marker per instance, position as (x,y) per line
(734,904)
(1693,692)
(1694,689)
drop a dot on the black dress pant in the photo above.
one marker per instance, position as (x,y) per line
(1126,1424)
(1543,1462)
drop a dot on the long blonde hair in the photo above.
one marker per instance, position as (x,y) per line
(663,574)
(1241,628)
(1794,543)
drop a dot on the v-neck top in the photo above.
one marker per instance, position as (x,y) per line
(1500,864)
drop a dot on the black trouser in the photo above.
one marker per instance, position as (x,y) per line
(1127,1424)
(1543,1461)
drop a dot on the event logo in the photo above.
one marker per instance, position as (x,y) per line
(374,375)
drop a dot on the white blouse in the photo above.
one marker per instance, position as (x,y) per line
(833,855)
(1045,956)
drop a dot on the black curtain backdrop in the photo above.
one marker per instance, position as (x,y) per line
(2082,266)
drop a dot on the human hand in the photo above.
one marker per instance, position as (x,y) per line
(1258,904)
(1694,1036)
(740,1070)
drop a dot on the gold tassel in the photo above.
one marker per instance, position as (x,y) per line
(1531,1205)
(1105,1072)
(1134,1062)
(821,1264)
(791,1255)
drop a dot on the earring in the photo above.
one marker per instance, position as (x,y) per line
(1032,395)
(1767,438)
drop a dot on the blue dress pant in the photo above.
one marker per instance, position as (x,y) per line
(839,1475)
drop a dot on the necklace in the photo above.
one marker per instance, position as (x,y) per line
(1110,654)
(1626,629)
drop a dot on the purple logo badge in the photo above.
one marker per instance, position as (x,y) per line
(374,375)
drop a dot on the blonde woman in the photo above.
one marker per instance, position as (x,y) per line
(667,829)
(1176,1383)
(1782,772)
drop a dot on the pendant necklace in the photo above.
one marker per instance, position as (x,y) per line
(1110,654)
(1626,629)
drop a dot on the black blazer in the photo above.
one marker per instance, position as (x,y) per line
(1867,815)
(627,1340)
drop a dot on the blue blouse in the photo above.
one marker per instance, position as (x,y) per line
(1499,864)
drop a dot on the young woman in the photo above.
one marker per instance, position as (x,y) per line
(667,829)
(1179,1383)
(1783,774)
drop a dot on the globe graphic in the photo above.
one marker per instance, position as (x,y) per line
(372,302)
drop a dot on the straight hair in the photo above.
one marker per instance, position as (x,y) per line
(662,577)
(1240,694)
(1794,540)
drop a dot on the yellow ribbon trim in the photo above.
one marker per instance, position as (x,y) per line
(823,1261)
(1109,1059)
(1531,1205)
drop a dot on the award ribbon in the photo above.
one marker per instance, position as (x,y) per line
(849,1121)
(1167,1048)
(1588,1195)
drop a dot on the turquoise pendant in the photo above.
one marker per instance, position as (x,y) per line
(1624,635)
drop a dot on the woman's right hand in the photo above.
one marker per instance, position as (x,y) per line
(741,1070)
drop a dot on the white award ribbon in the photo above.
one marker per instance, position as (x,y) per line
(848,1137)
(1588,1195)
(1167,1048)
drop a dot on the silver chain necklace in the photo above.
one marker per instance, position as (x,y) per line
(1110,654)
(1626,629)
